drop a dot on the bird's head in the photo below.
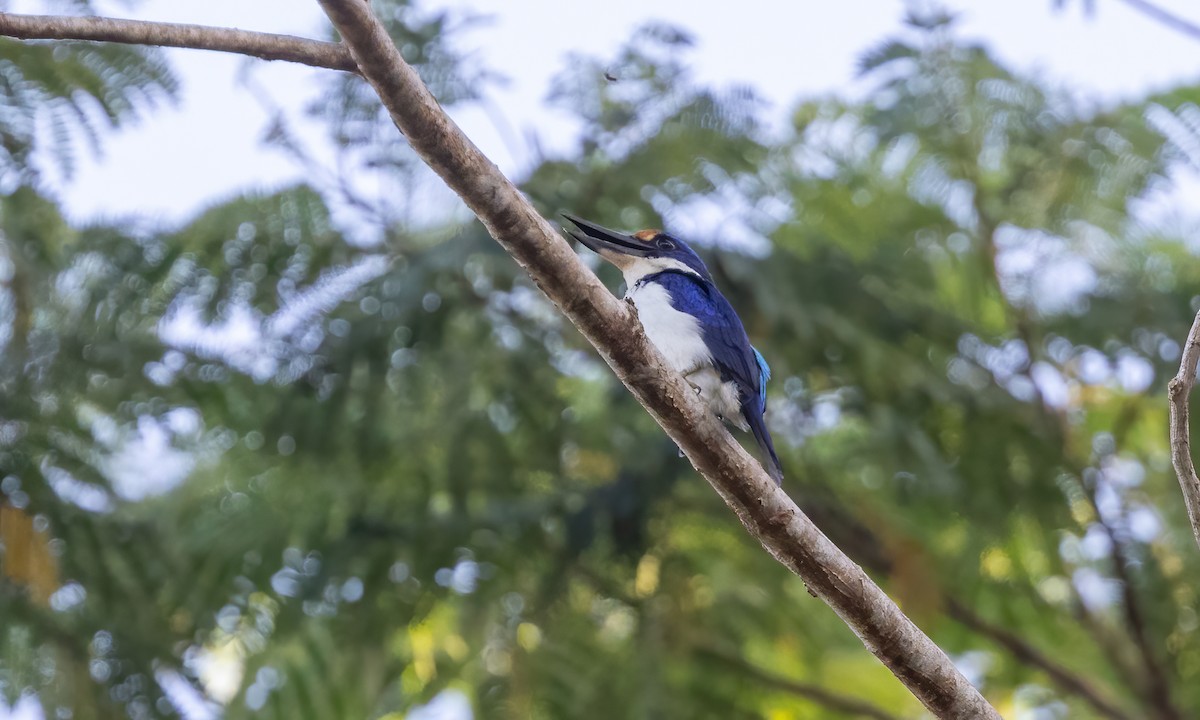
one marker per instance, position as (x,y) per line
(640,254)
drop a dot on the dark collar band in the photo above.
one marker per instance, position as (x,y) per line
(672,271)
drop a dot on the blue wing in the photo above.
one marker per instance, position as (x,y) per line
(732,354)
(723,332)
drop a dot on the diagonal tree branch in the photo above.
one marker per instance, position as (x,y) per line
(610,325)
(1181,452)
(265,46)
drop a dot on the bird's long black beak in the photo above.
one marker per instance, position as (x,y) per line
(599,239)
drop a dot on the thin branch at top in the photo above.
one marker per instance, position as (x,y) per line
(1181,452)
(265,46)
(1177,23)
(611,326)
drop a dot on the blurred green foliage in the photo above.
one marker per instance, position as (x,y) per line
(316,478)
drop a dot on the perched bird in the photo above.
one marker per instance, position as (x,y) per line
(692,325)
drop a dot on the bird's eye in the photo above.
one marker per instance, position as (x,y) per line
(665,244)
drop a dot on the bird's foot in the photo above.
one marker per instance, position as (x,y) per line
(687,375)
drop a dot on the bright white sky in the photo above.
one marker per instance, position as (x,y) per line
(208,148)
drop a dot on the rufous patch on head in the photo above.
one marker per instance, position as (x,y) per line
(647,235)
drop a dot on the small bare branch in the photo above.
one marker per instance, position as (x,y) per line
(265,46)
(1181,452)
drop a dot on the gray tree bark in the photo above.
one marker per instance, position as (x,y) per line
(264,46)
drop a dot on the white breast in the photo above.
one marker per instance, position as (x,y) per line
(676,334)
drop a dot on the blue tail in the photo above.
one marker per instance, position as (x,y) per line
(754,416)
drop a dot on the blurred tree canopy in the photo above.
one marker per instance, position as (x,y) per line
(257,459)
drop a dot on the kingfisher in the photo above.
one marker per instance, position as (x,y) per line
(692,325)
